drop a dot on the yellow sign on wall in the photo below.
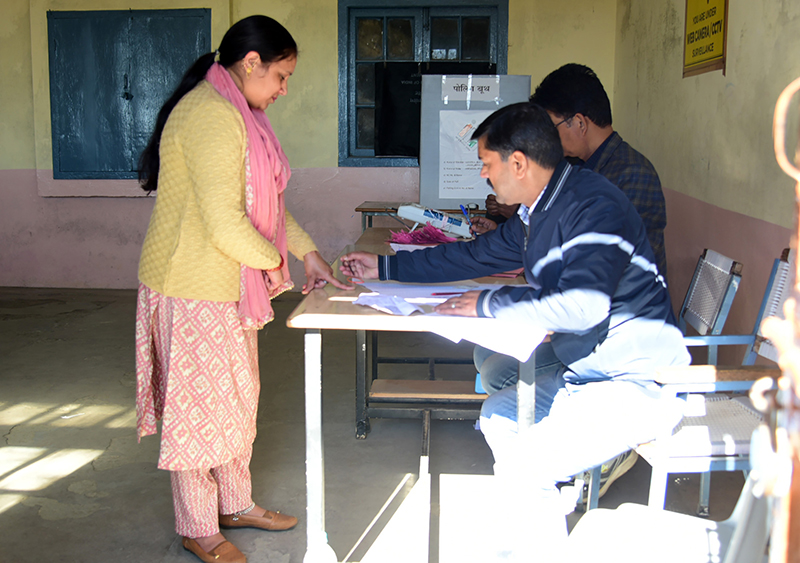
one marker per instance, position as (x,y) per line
(705,39)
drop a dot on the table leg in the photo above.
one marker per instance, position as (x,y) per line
(374,356)
(317,548)
(594,488)
(362,420)
(526,394)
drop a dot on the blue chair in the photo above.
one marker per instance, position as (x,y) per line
(716,438)
(771,304)
(708,301)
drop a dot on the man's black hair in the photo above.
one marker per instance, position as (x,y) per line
(572,89)
(523,127)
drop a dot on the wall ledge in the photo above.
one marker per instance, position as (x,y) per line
(48,186)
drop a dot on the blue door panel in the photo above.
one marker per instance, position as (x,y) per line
(162,49)
(110,72)
(88,116)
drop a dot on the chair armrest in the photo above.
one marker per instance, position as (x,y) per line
(706,374)
(719,340)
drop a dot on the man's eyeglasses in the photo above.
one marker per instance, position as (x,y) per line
(562,121)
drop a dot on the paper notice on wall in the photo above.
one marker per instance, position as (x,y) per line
(459,166)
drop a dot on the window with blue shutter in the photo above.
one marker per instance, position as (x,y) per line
(380,43)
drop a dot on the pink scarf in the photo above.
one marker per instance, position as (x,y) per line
(267,175)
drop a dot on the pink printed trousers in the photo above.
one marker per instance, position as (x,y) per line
(201,495)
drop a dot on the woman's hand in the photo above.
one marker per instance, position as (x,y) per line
(481,225)
(319,273)
(274,279)
(361,265)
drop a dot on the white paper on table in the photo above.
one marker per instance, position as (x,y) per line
(512,338)
(424,294)
(387,304)
(397,246)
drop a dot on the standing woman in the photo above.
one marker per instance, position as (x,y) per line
(214,255)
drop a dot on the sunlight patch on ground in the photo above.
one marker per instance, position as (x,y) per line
(69,415)
(80,416)
(46,471)
(463,518)
(7,501)
(22,412)
(14,457)
(389,501)
(406,537)
(125,420)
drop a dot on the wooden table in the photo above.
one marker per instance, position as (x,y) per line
(332,308)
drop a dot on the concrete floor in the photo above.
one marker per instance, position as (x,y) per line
(75,486)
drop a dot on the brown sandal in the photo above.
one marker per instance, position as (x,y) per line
(274,521)
(224,552)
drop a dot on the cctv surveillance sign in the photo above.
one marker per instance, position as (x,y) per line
(705,38)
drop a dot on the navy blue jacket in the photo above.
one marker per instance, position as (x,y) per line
(592,278)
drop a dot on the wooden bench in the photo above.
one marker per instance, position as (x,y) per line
(424,391)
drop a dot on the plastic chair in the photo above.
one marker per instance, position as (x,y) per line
(633,533)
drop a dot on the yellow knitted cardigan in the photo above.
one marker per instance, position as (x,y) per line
(199,233)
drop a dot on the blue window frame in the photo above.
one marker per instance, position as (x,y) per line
(474,31)
(110,73)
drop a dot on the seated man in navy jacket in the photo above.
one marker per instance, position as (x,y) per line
(593,283)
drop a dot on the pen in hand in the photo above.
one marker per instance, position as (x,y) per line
(464,211)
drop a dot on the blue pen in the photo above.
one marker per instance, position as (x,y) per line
(464,211)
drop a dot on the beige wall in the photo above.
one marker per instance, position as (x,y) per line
(543,35)
(16,111)
(540,39)
(710,137)
(306,121)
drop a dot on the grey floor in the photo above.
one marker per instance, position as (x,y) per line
(75,486)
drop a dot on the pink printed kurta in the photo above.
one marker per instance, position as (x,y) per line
(197,372)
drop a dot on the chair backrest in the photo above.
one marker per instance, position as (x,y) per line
(779,284)
(710,295)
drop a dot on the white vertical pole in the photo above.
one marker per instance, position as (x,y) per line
(317,548)
(526,394)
